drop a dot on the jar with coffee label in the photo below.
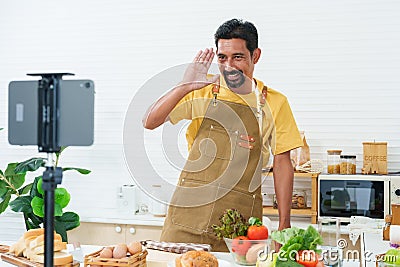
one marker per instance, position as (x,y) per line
(333,160)
(347,164)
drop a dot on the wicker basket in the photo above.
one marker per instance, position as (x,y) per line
(135,260)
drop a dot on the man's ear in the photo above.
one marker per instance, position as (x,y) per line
(256,55)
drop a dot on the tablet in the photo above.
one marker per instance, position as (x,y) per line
(75,113)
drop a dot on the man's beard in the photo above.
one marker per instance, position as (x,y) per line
(234,79)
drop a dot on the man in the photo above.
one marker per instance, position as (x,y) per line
(235,121)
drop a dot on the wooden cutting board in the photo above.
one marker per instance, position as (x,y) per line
(4,248)
(24,262)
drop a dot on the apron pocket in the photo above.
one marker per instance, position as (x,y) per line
(200,219)
(218,141)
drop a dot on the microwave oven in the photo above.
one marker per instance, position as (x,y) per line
(343,196)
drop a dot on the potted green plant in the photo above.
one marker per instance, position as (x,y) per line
(29,198)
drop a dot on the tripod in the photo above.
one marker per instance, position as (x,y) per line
(48,142)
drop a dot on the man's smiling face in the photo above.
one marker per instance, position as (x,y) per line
(236,63)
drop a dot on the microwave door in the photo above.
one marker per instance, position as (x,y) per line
(346,198)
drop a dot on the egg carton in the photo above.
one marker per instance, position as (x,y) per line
(137,260)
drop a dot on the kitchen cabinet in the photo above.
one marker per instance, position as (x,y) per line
(312,211)
(103,234)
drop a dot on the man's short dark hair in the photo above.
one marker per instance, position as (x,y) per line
(237,28)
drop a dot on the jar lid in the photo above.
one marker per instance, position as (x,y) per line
(347,156)
(334,151)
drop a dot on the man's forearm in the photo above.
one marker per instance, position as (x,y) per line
(283,181)
(158,113)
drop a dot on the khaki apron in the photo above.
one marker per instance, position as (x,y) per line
(223,171)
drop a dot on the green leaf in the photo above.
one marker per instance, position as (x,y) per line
(66,222)
(30,165)
(4,203)
(1,129)
(34,192)
(62,197)
(39,186)
(3,188)
(32,221)
(61,150)
(287,263)
(16,179)
(59,227)
(69,219)
(255,221)
(25,190)
(21,204)
(80,170)
(57,210)
(37,204)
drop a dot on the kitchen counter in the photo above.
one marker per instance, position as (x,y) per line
(157,258)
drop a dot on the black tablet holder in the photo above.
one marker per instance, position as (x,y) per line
(49,86)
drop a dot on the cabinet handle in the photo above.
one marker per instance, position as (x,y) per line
(132,230)
(118,229)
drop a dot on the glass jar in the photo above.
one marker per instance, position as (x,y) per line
(299,200)
(347,164)
(333,161)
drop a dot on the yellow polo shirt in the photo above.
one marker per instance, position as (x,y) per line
(280,132)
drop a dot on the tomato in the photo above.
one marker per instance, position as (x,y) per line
(240,245)
(257,232)
(307,258)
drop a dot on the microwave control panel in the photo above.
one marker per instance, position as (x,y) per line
(395,189)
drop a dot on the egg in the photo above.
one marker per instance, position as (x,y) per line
(120,251)
(252,253)
(134,247)
(106,253)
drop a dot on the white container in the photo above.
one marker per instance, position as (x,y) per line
(157,207)
(126,199)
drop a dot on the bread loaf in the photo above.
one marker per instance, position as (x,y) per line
(60,258)
(19,248)
(31,246)
(196,259)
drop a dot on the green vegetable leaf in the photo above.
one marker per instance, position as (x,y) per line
(295,239)
(255,221)
(30,165)
(37,204)
(287,263)
(283,236)
(312,238)
(62,197)
(80,170)
(232,225)
(21,204)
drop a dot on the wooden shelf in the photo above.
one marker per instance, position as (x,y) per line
(313,210)
(303,212)
(296,174)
